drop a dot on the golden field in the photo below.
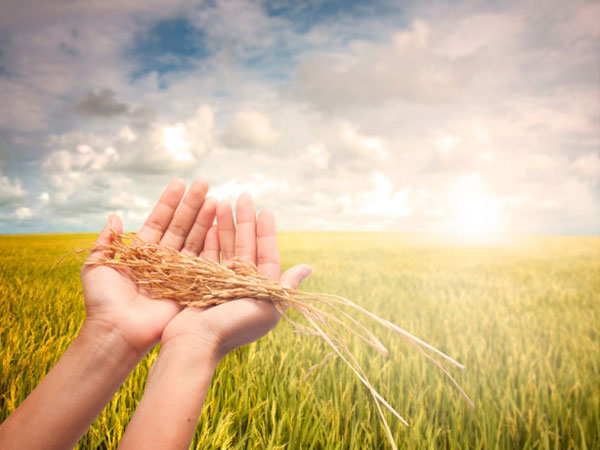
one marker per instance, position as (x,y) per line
(524,318)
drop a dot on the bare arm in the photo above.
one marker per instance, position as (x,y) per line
(121,325)
(68,399)
(197,339)
(175,392)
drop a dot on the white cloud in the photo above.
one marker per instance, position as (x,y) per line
(370,147)
(75,138)
(186,141)
(175,141)
(70,174)
(488,156)
(316,155)
(250,129)
(446,143)
(126,134)
(126,199)
(496,30)
(345,130)
(588,166)
(141,202)
(369,75)
(82,159)
(11,191)
(23,213)
(44,198)
(257,185)
(382,200)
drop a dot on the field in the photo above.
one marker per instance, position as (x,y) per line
(523,317)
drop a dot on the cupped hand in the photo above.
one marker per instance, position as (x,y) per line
(225,327)
(112,299)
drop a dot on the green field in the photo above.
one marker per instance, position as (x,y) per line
(523,317)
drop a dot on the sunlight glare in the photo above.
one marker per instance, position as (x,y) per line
(176,142)
(476,215)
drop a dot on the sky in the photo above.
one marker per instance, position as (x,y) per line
(467,117)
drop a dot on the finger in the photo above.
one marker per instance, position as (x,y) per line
(245,233)
(226,230)
(185,215)
(113,225)
(194,243)
(160,217)
(211,245)
(269,262)
(294,276)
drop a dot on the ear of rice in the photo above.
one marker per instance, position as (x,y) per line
(168,274)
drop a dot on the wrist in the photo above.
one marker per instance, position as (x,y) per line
(66,402)
(196,350)
(176,389)
(108,338)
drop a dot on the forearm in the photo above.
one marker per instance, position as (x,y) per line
(67,401)
(177,386)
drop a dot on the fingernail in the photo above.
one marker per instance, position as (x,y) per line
(109,224)
(306,272)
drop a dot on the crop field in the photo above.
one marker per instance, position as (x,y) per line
(523,317)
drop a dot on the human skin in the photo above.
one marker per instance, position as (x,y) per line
(122,324)
(197,339)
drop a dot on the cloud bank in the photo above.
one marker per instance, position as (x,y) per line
(423,117)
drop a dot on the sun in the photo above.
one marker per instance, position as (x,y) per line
(475,215)
(176,142)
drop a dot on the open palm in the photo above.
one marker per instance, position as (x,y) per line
(239,322)
(113,299)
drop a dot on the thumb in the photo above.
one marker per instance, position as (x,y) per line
(297,274)
(113,224)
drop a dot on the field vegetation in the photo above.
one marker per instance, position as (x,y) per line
(523,317)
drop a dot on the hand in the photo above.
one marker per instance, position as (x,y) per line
(230,325)
(112,300)
(196,339)
(121,325)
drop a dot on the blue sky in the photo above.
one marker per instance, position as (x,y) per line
(468,117)
(168,45)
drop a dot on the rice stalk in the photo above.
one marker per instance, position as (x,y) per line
(165,273)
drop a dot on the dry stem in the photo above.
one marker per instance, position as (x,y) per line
(165,273)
